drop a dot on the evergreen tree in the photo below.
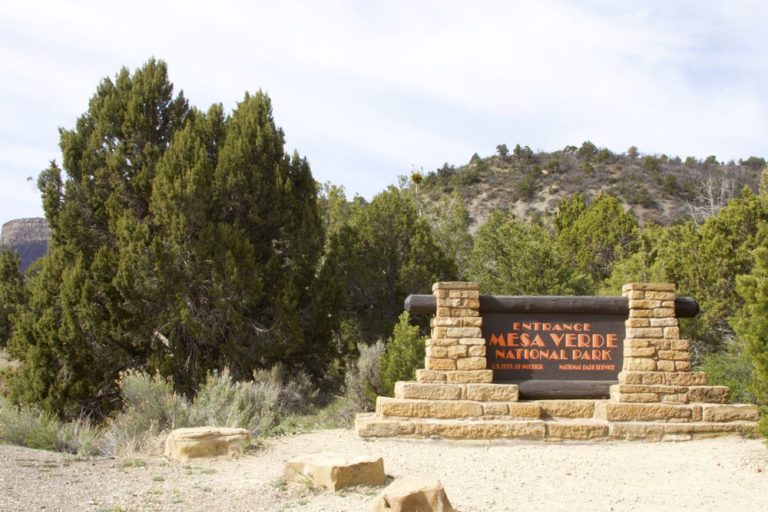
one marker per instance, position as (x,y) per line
(12,292)
(81,328)
(514,258)
(239,239)
(383,254)
(593,237)
(751,321)
(449,221)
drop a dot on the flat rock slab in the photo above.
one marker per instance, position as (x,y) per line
(188,443)
(413,494)
(334,471)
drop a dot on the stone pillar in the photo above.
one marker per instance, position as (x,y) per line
(456,348)
(657,362)
(652,341)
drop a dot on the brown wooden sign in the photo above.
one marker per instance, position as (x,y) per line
(546,346)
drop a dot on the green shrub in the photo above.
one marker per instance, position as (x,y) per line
(27,426)
(257,406)
(362,384)
(762,425)
(732,369)
(403,356)
(150,409)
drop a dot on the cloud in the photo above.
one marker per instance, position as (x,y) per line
(369,90)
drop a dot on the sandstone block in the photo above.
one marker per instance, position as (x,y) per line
(466,312)
(487,429)
(656,295)
(663,378)
(637,377)
(672,333)
(682,366)
(634,397)
(665,366)
(567,408)
(470,376)
(730,412)
(644,332)
(471,303)
(495,409)
(334,471)
(577,431)
(620,411)
(457,351)
(430,376)
(472,341)
(386,406)
(370,425)
(638,364)
(635,294)
(471,363)
(465,332)
(188,443)
(476,351)
(654,287)
(709,394)
(526,410)
(441,342)
(427,391)
(441,294)
(663,389)
(448,322)
(639,352)
(675,398)
(437,351)
(644,304)
(637,322)
(680,345)
(664,322)
(455,285)
(493,392)
(472,321)
(632,431)
(675,355)
(444,311)
(664,313)
(436,363)
(439,332)
(636,343)
(413,494)
(668,304)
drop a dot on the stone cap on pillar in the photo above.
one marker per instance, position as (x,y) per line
(455,285)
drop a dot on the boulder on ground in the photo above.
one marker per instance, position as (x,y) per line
(413,494)
(188,443)
(334,471)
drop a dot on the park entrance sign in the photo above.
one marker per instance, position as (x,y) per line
(556,368)
(538,346)
(553,347)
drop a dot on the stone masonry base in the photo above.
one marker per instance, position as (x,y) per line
(555,420)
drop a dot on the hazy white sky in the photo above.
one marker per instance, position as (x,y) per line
(367,90)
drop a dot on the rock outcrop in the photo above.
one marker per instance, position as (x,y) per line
(413,494)
(26,237)
(188,443)
(334,471)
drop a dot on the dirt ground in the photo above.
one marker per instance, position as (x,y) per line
(718,474)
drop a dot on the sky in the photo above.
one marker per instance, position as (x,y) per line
(369,90)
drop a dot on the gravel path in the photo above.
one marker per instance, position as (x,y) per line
(718,474)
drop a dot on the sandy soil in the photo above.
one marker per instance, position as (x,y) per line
(719,474)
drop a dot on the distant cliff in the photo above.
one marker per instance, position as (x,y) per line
(27,237)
